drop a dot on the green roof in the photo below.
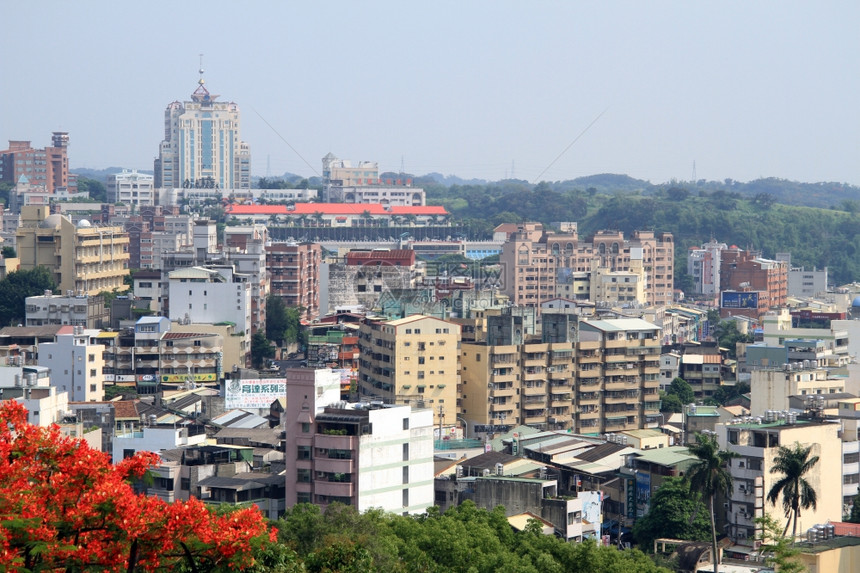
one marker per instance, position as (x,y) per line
(670,456)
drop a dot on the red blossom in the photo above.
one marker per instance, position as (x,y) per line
(63,504)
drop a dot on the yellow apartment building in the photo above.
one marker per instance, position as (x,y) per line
(411,361)
(617,376)
(83,258)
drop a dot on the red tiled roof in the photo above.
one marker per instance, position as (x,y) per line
(125,409)
(333,209)
(177,335)
(256,209)
(420,210)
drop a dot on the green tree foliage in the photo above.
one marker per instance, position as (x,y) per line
(725,393)
(682,389)
(95,188)
(780,550)
(727,334)
(673,512)
(710,476)
(16,287)
(677,395)
(794,463)
(261,349)
(463,539)
(283,323)
(8,253)
(855,509)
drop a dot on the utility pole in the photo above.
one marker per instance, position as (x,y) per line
(441,417)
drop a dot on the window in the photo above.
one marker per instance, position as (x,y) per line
(92,372)
(304,453)
(306,427)
(185,484)
(92,387)
(303,475)
(405,452)
(92,358)
(405,498)
(405,475)
(405,423)
(420,360)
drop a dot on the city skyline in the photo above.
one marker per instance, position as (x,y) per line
(488,90)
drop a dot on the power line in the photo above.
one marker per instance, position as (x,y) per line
(570,145)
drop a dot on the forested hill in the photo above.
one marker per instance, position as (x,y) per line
(815,237)
(828,195)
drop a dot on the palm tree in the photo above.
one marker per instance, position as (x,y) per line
(710,476)
(793,463)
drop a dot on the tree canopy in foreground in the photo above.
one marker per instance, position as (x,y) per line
(64,506)
(464,539)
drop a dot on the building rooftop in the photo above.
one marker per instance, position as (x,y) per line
(621,324)
(667,457)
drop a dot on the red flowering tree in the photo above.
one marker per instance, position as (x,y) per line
(64,506)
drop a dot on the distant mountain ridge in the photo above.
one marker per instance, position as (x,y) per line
(823,195)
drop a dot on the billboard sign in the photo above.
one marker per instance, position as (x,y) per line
(179,378)
(254,393)
(733,299)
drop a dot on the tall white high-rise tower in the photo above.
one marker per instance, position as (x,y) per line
(202,145)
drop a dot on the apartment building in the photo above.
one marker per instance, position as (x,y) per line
(77,365)
(149,356)
(76,310)
(617,376)
(83,258)
(747,271)
(756,441)
(131,188)
(540,265)
(48,167)
(411,361)
(507,381)
(294,275)
(210,295)
(703,264)
(202,145)
(770,387)
(360,454)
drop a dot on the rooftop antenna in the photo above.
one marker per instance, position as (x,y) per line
(200,71)
(694,172)
(402,165)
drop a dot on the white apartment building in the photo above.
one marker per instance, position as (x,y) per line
(131,188)
(77,367)
(771,387)
(364,455)
(210,295)
(756,441)
(76,310)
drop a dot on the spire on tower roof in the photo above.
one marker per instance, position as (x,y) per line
(201,94)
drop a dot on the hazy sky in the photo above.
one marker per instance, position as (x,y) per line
(483,89)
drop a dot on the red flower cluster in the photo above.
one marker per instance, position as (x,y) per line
(63,505)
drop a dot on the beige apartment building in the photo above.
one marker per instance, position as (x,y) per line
(757,444)
(83,258)
(617,376)
(411,361)
(504,386)
(601,376)
(539,265)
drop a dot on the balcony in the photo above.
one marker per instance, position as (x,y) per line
(330,465)
(334,488)
(535,390)
(333,442)
(588,345)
